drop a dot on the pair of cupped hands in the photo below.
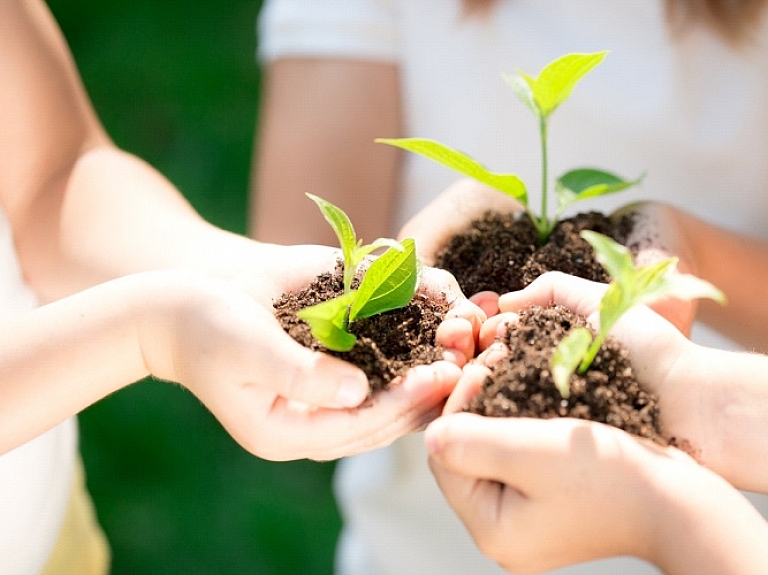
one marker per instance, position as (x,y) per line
(529,480)
(304,404)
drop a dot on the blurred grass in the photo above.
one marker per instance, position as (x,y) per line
(176,83)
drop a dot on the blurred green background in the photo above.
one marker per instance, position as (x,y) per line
(177,84)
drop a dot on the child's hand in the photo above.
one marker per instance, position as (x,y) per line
(540,494)
(275,397)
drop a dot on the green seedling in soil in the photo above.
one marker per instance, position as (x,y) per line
(542,95)
(630,286)
(388,283)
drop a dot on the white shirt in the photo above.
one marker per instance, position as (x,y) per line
(690,113)
(35,478)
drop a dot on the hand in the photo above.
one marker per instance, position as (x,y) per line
(277,398)
(540,494)
(662,357)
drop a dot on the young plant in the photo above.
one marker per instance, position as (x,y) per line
(542,95)
(630,286)
(389,282)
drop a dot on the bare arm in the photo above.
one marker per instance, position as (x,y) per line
(738,265)
(81,210)
(318,123)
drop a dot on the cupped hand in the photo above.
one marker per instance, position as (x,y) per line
(277,398)
(662,357)
(541,494)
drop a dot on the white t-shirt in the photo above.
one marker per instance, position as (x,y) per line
(35,478)
(690,113)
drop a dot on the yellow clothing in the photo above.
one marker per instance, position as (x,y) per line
(81,547)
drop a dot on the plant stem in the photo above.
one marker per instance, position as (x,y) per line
(589,357)
(349,275)
(544,227)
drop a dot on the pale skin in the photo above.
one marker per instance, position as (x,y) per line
(524,487)
(323,115)
(135,283)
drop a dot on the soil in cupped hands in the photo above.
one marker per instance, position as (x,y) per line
(387,344)
(501,253)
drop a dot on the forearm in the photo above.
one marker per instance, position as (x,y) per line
(81,210)
(719,400)
(62,357)
(317,126)
(738,265)
(706,527)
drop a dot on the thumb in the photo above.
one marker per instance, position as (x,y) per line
(299,374)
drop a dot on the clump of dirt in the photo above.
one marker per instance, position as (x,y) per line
(387,344)
(501,252)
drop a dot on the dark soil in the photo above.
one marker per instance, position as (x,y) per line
(387,345)
(501,252)
(521,384)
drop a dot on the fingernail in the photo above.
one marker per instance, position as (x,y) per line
(352,391)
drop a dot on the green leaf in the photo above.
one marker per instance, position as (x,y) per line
(557,79)
(615,303)
(567,357)
(583,183)
(685,287)
(614,257)
(389,283)
(649,283)
(359,253)
(510,184)
(340,224)
(328,322)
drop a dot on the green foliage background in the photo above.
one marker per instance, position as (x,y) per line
(177,84)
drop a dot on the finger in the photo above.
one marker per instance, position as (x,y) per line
(475,501)
(468,386)
(522,452)
(495,328)
(579,295)
(272,358)
(456,336)
(326,434)
(493,354)
(488,301)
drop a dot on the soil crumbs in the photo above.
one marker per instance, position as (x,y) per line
(387,344)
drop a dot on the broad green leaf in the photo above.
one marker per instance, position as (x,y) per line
(614,257)
(389,283)
(567,357)
(614,304)
(340,224)
(521,85)
(583,183)
(328,322)
(510,184)
(359,253)
(558,78)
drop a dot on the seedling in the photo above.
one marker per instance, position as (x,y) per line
(542,95)
(389,282)
(630,286)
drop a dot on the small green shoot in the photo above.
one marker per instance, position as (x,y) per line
(389,282)
(542,95)
(630,286)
